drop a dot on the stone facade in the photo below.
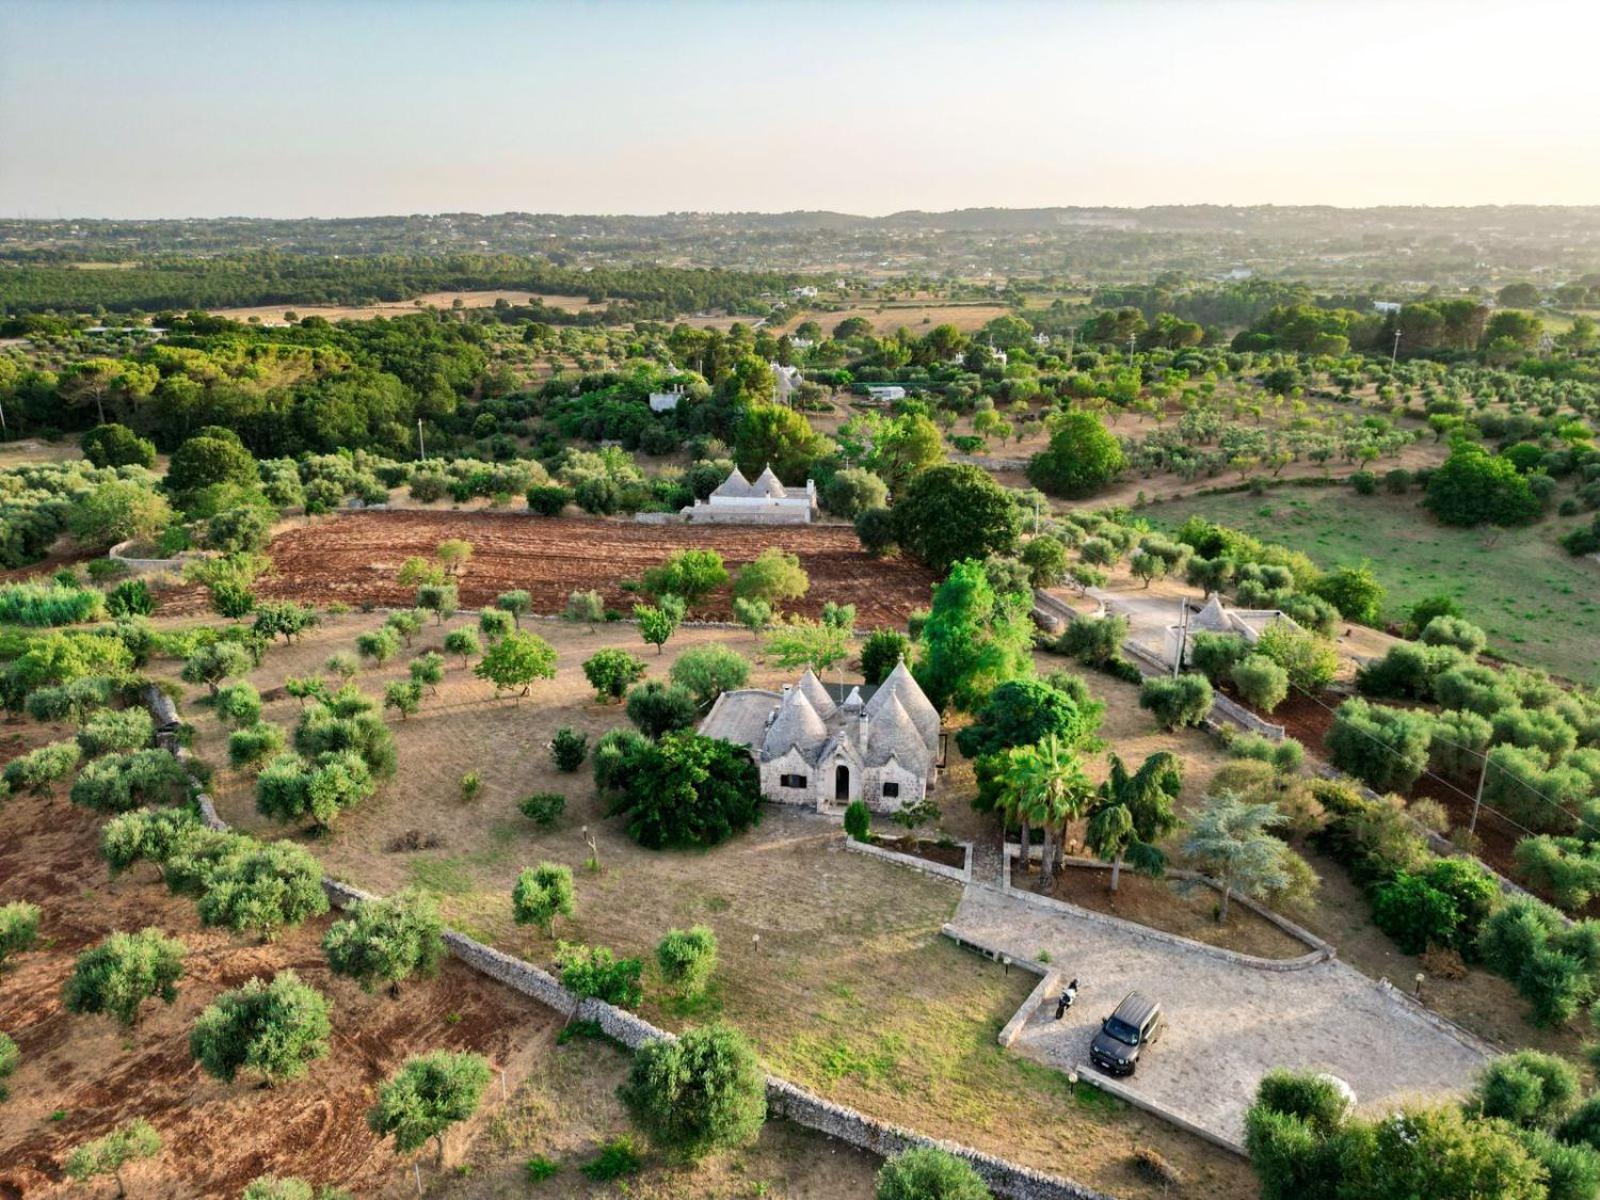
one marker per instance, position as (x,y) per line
(737,501)
(883,750)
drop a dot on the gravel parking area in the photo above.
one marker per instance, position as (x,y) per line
(1228,1024)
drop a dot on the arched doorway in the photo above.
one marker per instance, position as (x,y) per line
(841,782)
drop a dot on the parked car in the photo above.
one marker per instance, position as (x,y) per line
(1136,1023)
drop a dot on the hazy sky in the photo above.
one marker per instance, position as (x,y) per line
(164,108)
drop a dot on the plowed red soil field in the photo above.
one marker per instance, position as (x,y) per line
(354,557)
(81,1075)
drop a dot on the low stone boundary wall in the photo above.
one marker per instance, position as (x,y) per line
(1041,994)
(1320,950)
(142,566)
(961,874)
(1240,715)
(1115,1087)
(1003,1178)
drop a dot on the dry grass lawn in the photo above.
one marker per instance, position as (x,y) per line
(832,962)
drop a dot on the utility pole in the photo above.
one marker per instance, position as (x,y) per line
(1183,637)
(422,453)
(1130,347)
(1477,800)
(1394,355)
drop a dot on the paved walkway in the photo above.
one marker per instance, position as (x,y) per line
(1228,1024)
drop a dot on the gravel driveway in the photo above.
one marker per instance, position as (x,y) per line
(1228,1024)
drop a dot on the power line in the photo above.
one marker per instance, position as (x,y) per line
(1487,763)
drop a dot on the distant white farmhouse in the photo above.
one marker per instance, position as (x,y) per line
(882,393)
(764,502)
(1386,306)
(881,748)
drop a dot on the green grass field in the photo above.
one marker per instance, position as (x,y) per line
(1538,604)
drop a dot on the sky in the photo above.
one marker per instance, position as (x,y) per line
(289,108)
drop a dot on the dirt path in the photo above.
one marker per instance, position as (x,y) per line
(1229,1024)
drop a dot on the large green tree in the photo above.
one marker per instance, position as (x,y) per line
(1132,811)
(973,639)
(1082,457)
(951,512)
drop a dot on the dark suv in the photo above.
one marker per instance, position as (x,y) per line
(1134,1025)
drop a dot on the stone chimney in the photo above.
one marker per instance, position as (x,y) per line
(863,728)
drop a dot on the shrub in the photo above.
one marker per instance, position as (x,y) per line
(254,745)
(1354,591)
(617,1160)
(658,708)
(9,1057)
(543,808)
(387,940)
(516,661)
(260,889)
(852,492)
(1311,661)
(687,957)
(145,835)
(929,1173)
(517,602)
(124,971)
(1093,641)
(773,576)
(113,731)
(1262,683)
(130,598)
(1385,748)
(875,528)
(48,604)
(568,749)
(1407,671)
(1173,702)
(1416,915)
(858,821)
(347,720)
(614,759)
(541,894)
(1453,631)
(274,1029)
(38,769)
(701,1093)
(238,704)
(612,671)
(1563,868)
(404,697)
(584,608)
(1215,655)
(594,972)
(19,928)
(113,445)
(1528,1088)
(708,671)
(120,782)
(549,499)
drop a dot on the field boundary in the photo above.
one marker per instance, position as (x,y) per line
(784,1098)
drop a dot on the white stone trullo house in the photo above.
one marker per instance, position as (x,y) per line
(737,501)
(882,748)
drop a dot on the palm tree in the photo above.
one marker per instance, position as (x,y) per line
(1051,789)
(1130,813)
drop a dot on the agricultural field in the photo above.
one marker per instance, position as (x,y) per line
(81,1075)
(353,559)
(1538,604)
(831,962)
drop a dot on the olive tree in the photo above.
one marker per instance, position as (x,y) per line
(703,1092)
(124,971)
(387,940)
(273,1029)
(430,1093)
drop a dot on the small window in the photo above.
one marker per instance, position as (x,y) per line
(891,791)
(792,781)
